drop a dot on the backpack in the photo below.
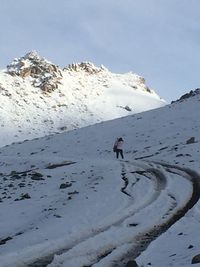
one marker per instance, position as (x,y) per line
(114,148)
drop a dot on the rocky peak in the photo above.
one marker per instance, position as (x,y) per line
(188,95)
(87,67)
(33,55)
(44,74)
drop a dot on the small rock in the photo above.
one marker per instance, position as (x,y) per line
(179,155)
(21,184)
(191,140)
(57,216)
(63,128)
(3,241)
(127,108)
(73,193)
(133,224)
(19,233)
(65,185)
(190,246)
(37,176)
(23,196)
(16,176)
(172,255)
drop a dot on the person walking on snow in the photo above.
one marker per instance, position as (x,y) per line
(118,147)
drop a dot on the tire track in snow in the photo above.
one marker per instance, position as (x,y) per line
(158,183)
(144,239)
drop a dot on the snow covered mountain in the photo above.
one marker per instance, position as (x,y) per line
(38,98)
(67,201)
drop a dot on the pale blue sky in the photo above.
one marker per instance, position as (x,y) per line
(158,39)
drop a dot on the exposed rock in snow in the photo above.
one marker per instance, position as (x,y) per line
(87,67)
(45,74)
(188,95)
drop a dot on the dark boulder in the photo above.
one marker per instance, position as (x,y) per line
(65,185)
(191,141)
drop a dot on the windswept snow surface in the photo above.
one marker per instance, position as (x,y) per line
(38,98)
(66,200)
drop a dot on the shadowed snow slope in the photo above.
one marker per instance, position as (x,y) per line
(38,98)
(67,194)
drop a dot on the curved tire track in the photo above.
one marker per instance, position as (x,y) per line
(144,239)
(159,184)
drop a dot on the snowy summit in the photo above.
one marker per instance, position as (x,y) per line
(38,98)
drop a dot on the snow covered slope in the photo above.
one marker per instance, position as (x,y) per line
(67,194)
(38,98)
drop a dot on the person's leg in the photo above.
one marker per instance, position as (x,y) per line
(121,153)
(117,153)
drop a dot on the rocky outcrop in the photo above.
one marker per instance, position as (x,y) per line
(87,67)
(188,95)
(43,73)
(191,141)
